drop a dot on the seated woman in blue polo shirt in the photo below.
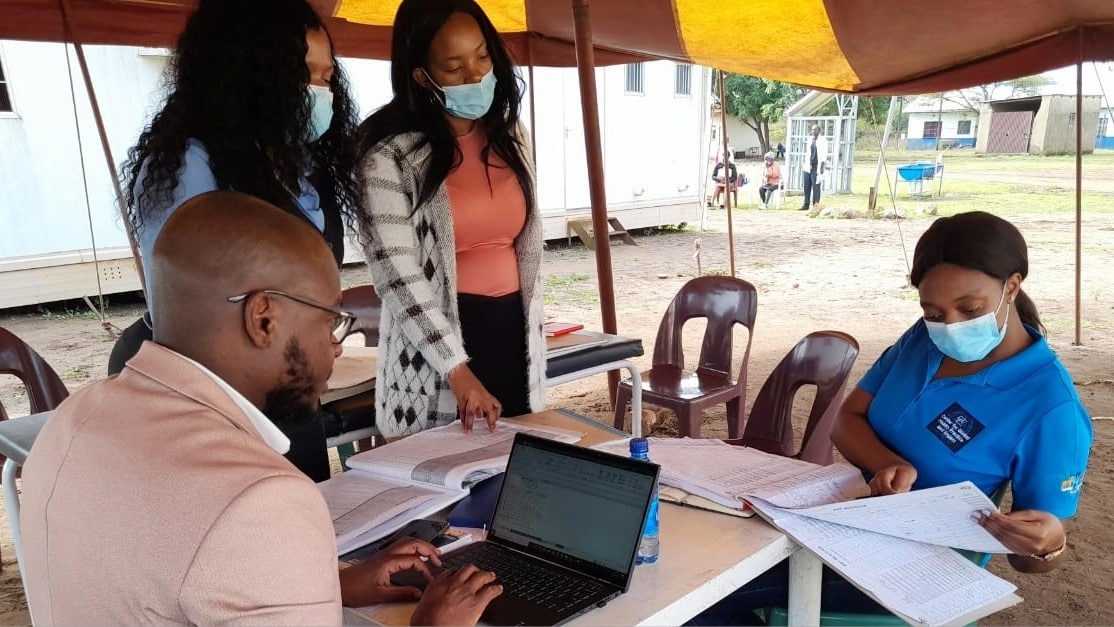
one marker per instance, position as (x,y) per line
(973,392)
(970,392)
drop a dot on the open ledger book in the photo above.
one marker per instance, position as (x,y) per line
(417,476)
(712,475)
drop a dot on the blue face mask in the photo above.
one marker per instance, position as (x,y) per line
(321,111)
(470,101)
(970,340)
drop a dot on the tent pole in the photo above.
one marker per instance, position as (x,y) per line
(71,34)
(1078,194)
(726,182)
(882,153)
(586,71)
(533,97)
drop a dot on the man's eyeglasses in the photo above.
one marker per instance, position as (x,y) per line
(342,321)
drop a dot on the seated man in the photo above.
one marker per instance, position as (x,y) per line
(771,179)
(721,184)
(161,496)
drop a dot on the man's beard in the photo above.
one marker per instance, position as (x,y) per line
(294,401)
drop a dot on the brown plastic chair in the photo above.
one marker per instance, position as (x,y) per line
(725,302)
(45,389)
(359,409)
(821,358)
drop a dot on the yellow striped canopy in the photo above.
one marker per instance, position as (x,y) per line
(862,46)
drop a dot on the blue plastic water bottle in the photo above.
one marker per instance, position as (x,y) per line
(648,548)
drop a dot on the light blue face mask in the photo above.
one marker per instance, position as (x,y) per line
(321,111)
(470,101)
(970,340)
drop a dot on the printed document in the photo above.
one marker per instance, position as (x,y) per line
(942,516)
(924,584)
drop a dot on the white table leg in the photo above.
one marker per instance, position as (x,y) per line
(635,401)
(636,386)
(805,570)
(11,502)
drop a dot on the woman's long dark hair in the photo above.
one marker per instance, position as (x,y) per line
(415,109)
(237,83)
(977,241)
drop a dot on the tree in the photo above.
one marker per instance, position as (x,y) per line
(971,99)
(759,101)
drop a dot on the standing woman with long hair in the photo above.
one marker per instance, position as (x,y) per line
(257,104)
(452,233)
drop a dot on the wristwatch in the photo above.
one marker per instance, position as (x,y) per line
(1051,555)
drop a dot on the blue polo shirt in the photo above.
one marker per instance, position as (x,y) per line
(1018,420)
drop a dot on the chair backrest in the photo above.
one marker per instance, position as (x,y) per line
(45,389)
(724,301)
(821,358)
(364,302)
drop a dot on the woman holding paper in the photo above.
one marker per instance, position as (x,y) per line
(452,232)
(973,392)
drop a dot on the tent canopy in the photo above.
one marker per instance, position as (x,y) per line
(861,46)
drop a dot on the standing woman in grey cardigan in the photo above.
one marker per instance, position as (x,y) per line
(451,232)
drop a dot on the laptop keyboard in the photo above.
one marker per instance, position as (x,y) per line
(549,587)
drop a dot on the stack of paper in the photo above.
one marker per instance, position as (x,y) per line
(417,476)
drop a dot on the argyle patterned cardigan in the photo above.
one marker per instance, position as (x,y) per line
(411,254)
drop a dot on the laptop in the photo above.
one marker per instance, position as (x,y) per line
(565,531)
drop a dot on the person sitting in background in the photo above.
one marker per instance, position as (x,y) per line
(971,392)
(771,179)
(726,181)
(160,496)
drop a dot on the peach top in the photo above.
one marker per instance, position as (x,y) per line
(489,211)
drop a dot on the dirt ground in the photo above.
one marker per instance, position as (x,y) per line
(811,274)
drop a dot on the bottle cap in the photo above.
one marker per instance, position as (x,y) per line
(639,445)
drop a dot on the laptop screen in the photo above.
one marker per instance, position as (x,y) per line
(577,507)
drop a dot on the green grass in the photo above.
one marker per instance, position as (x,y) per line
(67,314)
(1016,191)
(555,280)
(569,289)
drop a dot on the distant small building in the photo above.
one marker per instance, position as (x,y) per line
(939,125)
(1039,125)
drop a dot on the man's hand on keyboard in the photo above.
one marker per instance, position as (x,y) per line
(370,581)
(456,597)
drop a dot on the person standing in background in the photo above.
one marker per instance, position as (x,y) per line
(814,166)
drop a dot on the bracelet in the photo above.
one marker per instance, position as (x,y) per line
(1051,555)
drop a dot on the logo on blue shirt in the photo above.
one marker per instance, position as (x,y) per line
(955,427)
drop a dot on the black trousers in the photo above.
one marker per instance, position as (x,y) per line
(307,440)
(811,188)
(494,332)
